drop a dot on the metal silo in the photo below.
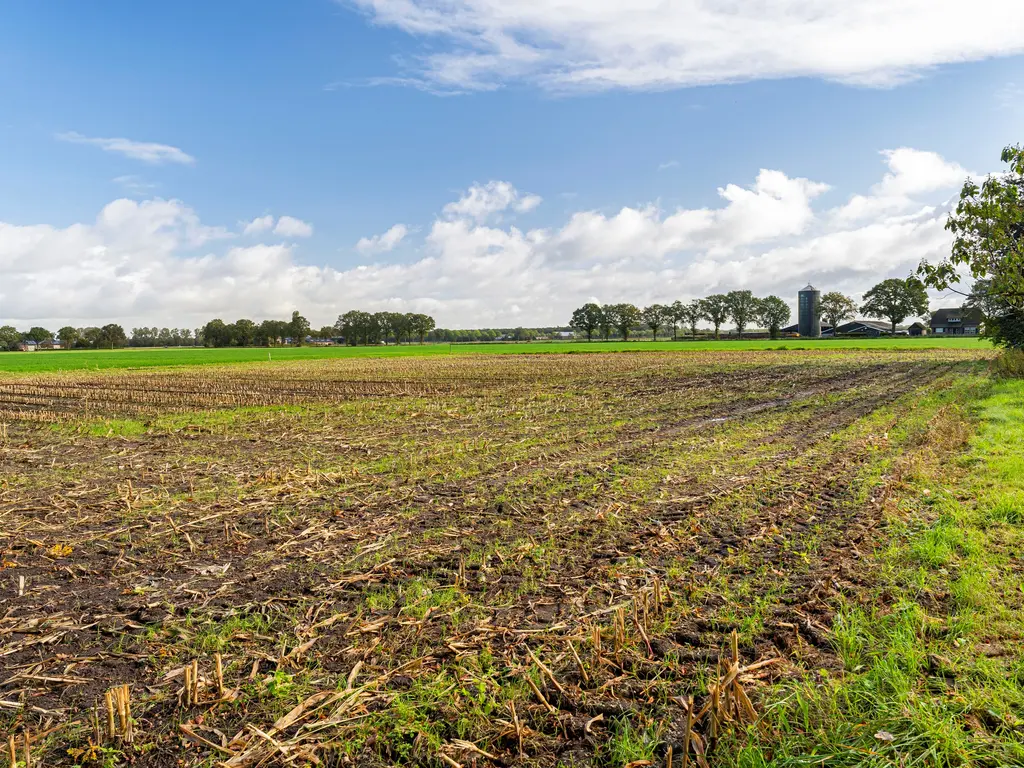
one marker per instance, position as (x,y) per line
(810,324)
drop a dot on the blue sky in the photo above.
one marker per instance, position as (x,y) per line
(353,118)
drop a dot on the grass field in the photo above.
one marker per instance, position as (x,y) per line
(714,557)
(145,358)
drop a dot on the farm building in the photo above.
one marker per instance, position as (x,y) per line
(795,329)
(872,328)
(31,346)
(956,322)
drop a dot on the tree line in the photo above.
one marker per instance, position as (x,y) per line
(358,327)
(741,307)
(894,300)
(354,327)
(107,337)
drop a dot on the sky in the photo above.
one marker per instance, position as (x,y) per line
(493,163)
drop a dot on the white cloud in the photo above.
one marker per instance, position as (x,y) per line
(147,152)
(482,201)
(528,203)
(385,242)
(258,225)
(288,226)
(911,173)
(597,44)
(670,164)
(155,262)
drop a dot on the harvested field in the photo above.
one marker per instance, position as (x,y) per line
(459,561)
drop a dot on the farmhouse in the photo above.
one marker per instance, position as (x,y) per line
(957,322)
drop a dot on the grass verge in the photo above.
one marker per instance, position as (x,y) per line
(934,659)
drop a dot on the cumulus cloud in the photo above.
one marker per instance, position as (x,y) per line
(599,44)
(384,242)
(289,226)
(286,226)
(258,225)
(156,262)
(528,203)
(147,152)
(482,201)
(911,173)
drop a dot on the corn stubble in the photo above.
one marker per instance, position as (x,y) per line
(592,558)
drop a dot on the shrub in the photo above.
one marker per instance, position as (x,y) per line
(1006,330)
(1010,364)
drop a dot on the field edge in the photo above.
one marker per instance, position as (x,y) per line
(934,666)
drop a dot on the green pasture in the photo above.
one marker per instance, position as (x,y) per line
(71,360)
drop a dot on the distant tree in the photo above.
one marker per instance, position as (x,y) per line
(691,314)
(981,297)
(90,336)
(217,334)
(272,332)
(895,300)
(111,335)
(68,337)
(835,307)
(358,327)
(743,307)
(186,337)
(606,322)
(422,325)
(625,317)
(245,332)
(716,309)
(9,337)
(401,325)
(587,319)
(298,328)
(38,334)
(676,316)
(655,316)
(988,230)
(773,313)
(382,321)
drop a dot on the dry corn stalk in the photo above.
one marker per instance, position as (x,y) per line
(119,714)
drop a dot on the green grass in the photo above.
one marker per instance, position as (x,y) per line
(29,362)
(934,662)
